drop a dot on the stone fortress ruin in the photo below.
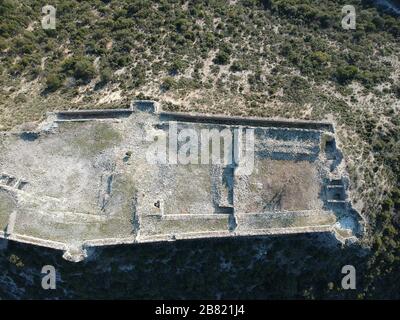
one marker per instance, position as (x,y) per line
(82,180)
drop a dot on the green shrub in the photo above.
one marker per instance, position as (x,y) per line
(3,44)
(222,58)
(396,90)
(84,70)
(320,57)
(105,75)
(168,83)
(81,68)
(14,259)
(181,25)
(53,82)
(20,98)
(345,74)
(236,67)
(178,66)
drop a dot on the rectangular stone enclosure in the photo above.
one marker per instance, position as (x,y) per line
(101,177)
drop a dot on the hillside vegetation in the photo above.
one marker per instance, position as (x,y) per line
(284,58)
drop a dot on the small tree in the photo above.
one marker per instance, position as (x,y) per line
(84,70)
(53,82)
(167,83)
(222,58)
(396,90)
(346,74)
(81,68)
(105,75)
